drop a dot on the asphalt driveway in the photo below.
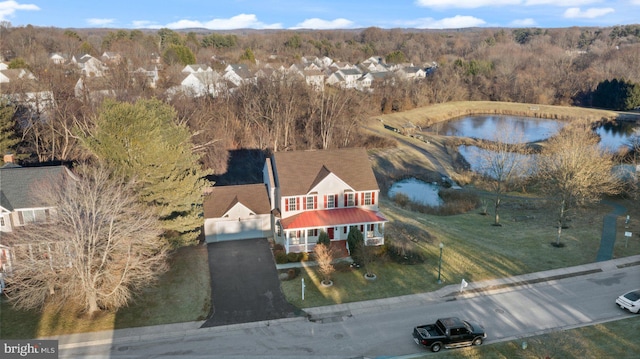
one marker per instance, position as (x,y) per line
(244,284)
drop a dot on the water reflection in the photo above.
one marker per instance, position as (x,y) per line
(513,129)
(500,127)
(615,135)
(418,191)
(478,160)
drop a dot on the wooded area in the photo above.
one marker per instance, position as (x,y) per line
(541,66)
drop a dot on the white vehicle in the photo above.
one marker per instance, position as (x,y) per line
(630,301)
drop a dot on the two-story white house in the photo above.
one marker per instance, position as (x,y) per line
(328,190)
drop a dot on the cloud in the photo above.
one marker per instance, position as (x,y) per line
(523,22)
(100,22)
(635,2)
(561,3)
(471,4)
(8,8)
(320,24)
(456,22)
(591,13)
(242,21)
(145,24)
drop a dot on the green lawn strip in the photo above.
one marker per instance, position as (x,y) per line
(181,295)
(616,339)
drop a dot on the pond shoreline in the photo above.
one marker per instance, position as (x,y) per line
(429,115)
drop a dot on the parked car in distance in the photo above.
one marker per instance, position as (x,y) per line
(630,301)
(449,333)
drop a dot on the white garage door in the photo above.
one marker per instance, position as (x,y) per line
(232,230)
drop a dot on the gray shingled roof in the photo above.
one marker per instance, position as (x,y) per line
(299,171)
(19,184)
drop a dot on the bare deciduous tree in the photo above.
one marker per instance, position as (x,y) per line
(324,257)
(574,170)
(503,161)
(100,246)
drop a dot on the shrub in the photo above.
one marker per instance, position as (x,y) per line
(294,257)
(280,256)
(402,255)
(278,247)
(401,199)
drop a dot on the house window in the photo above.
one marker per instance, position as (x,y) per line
(331,201)
(292,204)
(1,221)
(310,201)
(279,229)
(312,232)
(367,199)
(350,200)
(33,216)
(294,238)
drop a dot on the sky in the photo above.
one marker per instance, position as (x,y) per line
(318,14)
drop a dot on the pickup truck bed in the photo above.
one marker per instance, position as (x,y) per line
(428,330)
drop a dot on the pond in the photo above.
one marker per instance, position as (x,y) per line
(615,135)
(418,191)
(509,129)
(513,129)
(476,157)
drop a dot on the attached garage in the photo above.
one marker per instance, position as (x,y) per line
(237,212)
(229,230)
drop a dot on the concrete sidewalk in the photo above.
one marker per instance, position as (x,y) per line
(326,313)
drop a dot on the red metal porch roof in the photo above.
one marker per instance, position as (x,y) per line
(332,217)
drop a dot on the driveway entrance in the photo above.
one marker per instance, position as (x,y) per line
(244,283)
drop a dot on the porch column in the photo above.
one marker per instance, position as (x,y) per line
(286,241)
(306,240)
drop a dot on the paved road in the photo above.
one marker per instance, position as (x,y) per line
(530,305)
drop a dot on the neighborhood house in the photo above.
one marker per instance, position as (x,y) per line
(306,192)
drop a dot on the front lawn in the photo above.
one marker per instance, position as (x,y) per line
(183,294)
(474,249)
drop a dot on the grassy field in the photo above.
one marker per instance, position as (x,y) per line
(183,294)
(617,339)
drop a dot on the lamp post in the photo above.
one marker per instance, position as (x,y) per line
(440,263)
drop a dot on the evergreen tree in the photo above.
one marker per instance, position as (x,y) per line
(178,54)
(8,137)
(355,241)
(617,95)
(323,238)
(142,141)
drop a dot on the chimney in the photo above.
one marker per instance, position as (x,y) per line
(8,158)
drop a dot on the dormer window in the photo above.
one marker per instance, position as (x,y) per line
(367,199)
(331,201)
(349,199)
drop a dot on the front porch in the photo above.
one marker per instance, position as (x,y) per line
(305,240)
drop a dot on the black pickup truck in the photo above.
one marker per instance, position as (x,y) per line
(449,333)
